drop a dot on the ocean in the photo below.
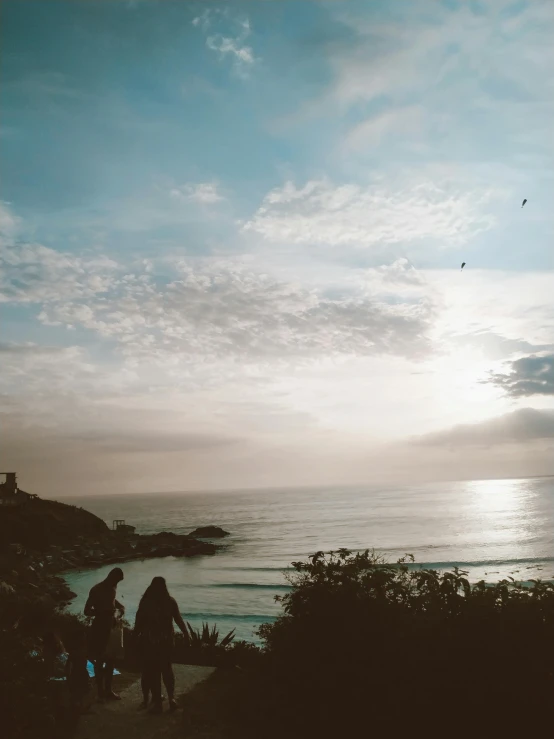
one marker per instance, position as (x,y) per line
(492,528)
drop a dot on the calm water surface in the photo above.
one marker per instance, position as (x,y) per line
(492,528)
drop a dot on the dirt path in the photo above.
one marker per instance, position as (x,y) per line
(122,719)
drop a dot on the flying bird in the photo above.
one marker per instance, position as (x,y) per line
(463,265)
(524,202)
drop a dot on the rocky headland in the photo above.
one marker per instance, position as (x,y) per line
(43,539)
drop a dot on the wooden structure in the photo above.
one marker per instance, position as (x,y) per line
(11,494)
(120,527)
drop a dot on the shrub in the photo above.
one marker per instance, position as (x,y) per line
(363,645)
(29,701)
(208,637)
(202,646)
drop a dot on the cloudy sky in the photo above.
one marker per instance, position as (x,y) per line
(231,238)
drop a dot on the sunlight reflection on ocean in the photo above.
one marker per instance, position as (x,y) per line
(493,528)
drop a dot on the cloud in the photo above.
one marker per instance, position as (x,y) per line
(323,213)
(29,349)
(206,18)
(453,82)
(514,305)
(219,308)
(494,345)
(373,130)
(32,273)
(399,273)
(520,427)
(214,309)
(243,55)
(151,441)
(415,53)
(204,193)
(40,376)
(232,47)
(533,375)
(9,223)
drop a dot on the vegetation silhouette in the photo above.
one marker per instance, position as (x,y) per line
(363,645)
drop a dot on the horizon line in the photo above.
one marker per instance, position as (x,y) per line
(300,487)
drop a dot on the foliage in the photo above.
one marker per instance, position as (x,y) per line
(244,654)
(200,647)
(203,646)
(30,703)
(223,706)
(208,637)
(365,644)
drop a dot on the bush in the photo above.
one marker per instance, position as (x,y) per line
(29,701)
(363,645)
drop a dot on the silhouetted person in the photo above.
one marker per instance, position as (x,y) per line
(154,631)
(102,606)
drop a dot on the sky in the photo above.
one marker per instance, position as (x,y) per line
(231,236)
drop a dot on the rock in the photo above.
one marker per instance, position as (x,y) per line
(165,535)
(199,547)
(209,532)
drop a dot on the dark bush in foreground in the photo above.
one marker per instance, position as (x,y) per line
(364,646)
(30,703)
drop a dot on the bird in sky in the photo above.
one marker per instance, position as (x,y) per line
(463,265)
(524,202)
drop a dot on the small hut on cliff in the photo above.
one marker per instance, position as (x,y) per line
(10,493)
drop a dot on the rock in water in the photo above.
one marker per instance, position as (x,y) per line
(209,532)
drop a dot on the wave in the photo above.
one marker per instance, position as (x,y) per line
(482,563)
(215,617)
(244,585)
(254,569)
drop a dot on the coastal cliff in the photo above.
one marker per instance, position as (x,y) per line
(44,538)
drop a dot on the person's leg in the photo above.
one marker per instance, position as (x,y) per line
(97,641)
(99,678)
(145,686)
(148,666)
(156,686)
(108,677)
(169,679)
(169,682)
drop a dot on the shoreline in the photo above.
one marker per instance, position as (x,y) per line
(42,576)
(46,540)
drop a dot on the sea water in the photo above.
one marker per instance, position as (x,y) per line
(492,528)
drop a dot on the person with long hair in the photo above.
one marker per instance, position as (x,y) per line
(103,607)
(154,633)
